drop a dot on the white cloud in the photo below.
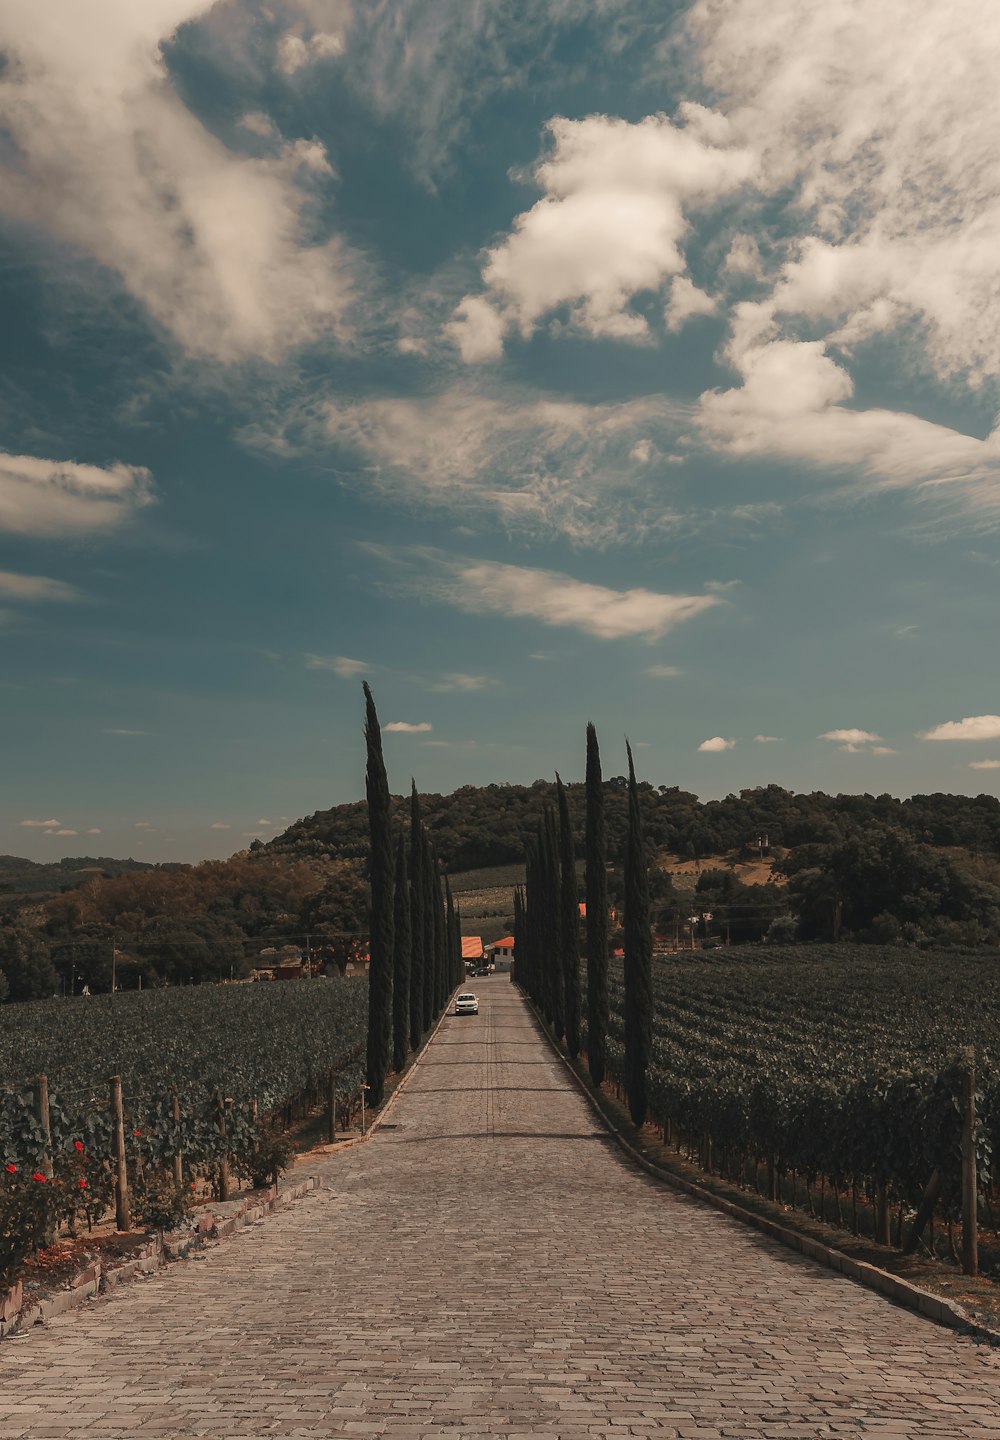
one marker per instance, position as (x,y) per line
(488,587)
(716,745)
(34,587)
(464,682)
(40,824)
(877,127)
(769,739)
(686,302)
(984,764)
(662,672)
(219,825)
(609,226)
(60,497)
(973,727)
(144,825)
(109,161)
(404,727)
(883,750)
(65,832)
(339,664)
(94,831)
(265,822)
(116,731)
(851,737)
(294,52)
(583,471)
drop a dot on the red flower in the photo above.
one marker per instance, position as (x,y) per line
(39,1177)
(137,1133)
(11,1169)
(78,1146)
(296,1144)
(83,1183)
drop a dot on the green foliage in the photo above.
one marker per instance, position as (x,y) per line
(401,959)
(569,927)
(380,869)
(638,999)
(266,1157)
(832,1059)
(417,928)
(597,913)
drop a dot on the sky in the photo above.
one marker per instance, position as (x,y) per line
(576,360)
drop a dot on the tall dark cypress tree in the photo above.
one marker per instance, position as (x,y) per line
(381,869)
(570,923)
(519,955)
(440,941)
(597,914)
(638,959)
(430,899)
(401,960)
(552,921)
(416,920)
(453,932)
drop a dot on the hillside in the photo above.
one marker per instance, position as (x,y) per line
(30,877)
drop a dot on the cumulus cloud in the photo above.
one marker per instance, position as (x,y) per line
(220,825)
(40,824)
(94,831)
(64,832)
(339,664)
(984,764)
(218,246)
(716,745)
(886,159)
(686,302)
(851,737)
(662,672)
(768,739)
(883,750)
(41,497)
(608,227)
(488,587)
(405,727)
(973,727)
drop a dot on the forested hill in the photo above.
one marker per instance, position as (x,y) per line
(480,826)
(30,877)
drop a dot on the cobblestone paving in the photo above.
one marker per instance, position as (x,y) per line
(491,1266)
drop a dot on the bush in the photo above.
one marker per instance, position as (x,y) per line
(268,1154)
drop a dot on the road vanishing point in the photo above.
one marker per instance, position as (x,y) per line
(490,1264)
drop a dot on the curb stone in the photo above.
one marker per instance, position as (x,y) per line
(212,1222)
(894,1287)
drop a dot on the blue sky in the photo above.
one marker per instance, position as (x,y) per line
(538,363)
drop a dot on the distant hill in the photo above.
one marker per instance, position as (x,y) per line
(19,877)
(483,826)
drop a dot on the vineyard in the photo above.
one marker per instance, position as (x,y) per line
(831,1066)
(204,1072)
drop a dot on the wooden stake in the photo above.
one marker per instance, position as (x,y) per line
(970,1207)
(41,1088)
(220,1105)
(123,1220)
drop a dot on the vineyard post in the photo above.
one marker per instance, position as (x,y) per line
(883,1235)
(970,1208)
(220,1106)
(123,1220)
(178,1156)
(331,1107)
(42,1112)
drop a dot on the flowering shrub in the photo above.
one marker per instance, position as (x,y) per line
(26,1217)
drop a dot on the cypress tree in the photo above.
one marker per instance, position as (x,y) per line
(638,959)
(597,914)
(416,920)
(401,960)
(453,931)
(430,891)
(570,926)
(440,942)
(552,921)
(519,958)
(380,963)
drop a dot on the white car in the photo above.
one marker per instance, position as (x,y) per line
(467,1004)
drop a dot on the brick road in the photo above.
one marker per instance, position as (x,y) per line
(492,1267)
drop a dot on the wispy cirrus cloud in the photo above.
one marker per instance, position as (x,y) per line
(768,740)
(32,588)
(407,727)
(340,665)
(464,683)
(662,672)
(40,497)
(972,727)
(487,587)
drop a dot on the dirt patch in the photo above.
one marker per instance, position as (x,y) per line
(750,872)
(61,1263)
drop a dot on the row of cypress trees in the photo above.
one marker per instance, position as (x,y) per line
(547,928)
(415,934)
